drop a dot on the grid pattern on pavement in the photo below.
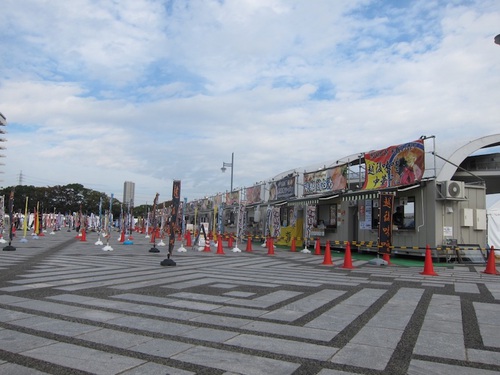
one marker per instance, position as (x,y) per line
(68,307)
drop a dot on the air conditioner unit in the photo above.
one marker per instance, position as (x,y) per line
(453,189)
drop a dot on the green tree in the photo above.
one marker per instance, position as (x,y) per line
(60,199)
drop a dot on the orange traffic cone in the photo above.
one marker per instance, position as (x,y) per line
(347,257)
(249,244)
(491,267)
(387,258)
(270,246)
(188,239)
(327,260)
(317,248)
(220,250)
(207,246)
(84,235)
(428,267)
(293,246)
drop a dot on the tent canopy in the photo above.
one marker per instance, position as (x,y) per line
(494,225)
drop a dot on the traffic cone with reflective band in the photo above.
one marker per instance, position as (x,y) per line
(220,250)
(270,246)
(327,260)
(491,268)
(428,267)
(293,246)
(317,248)
(249,244)
(347,257)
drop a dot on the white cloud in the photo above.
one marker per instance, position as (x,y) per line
(151,91)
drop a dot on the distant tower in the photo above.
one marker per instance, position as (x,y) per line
(128,193)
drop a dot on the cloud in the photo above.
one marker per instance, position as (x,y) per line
(151,91)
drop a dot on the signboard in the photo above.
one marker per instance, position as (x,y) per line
(326,180)
(282,189)
(395,166)
(385,225)
(253,194)
(232,198)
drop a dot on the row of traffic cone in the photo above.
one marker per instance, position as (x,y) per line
(327,260)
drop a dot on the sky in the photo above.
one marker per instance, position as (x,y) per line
(99,92)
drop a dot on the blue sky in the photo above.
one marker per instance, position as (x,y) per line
(102,92)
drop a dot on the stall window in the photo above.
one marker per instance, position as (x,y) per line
(404,215)
(327,215)
(375,213)
(284,213)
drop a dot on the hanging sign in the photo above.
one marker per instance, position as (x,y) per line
(385,224)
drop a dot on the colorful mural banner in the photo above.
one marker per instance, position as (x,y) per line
(398,165)
(253,194)
(385,225)
(326,180)
(218,200)
(232,198)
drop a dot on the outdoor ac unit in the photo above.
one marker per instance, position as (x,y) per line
(453,189)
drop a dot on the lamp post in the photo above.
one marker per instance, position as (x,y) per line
(224,165)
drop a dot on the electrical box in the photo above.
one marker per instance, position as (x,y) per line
(479,219)
(467,218)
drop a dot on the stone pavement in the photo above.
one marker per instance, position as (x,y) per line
(68,307)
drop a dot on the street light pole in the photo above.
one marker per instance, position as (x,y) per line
(224,165)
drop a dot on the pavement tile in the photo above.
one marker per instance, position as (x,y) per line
(236,362)
(376,336)
(17,342)
(373,357)
(418,367)
(281,346)
(244,313)
(12,315)
(56,326)
(84,359)
(161,348)
(12,368)
(156,369)
(114,338)
(441,345)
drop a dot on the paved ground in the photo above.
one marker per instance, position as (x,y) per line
(69,307)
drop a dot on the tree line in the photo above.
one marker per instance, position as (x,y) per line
(63,199)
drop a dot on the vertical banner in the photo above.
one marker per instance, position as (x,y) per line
(2,215)
(276,224)
(310,220)
(11,210)
(385,225)
(176,199)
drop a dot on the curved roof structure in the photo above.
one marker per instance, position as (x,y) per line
(458,156)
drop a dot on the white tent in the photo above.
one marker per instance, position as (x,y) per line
(494,226)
